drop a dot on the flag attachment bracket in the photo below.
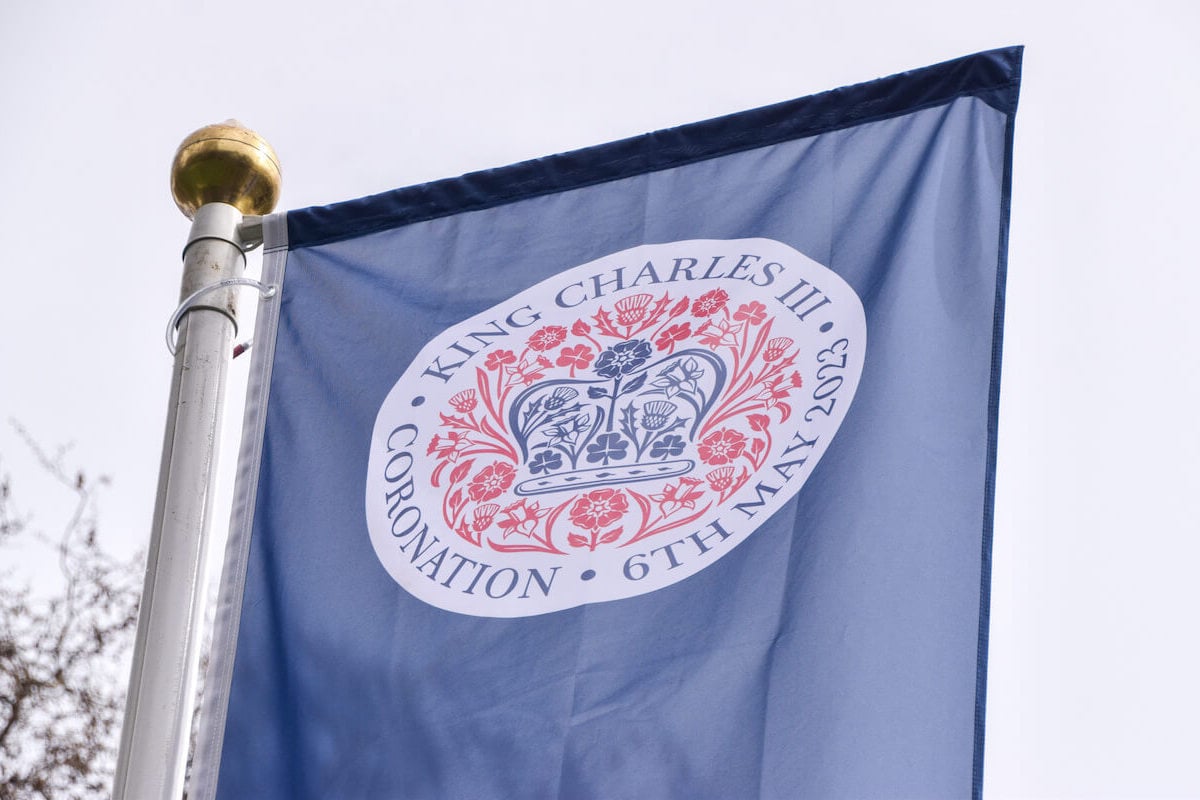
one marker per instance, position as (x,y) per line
(265,290)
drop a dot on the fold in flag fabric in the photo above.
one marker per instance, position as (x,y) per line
(662,468)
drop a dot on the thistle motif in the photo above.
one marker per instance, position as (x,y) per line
(632,310)
(657,413)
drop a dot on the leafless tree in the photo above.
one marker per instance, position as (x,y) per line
(63,648)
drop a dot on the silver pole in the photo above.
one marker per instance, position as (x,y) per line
(220,173)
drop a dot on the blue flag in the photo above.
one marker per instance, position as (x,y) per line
(658,469)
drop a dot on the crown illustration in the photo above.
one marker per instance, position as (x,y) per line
(630,423)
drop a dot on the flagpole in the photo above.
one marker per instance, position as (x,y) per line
(221,175)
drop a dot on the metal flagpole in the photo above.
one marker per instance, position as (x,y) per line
(220,173)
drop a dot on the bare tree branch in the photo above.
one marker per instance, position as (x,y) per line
(63,652)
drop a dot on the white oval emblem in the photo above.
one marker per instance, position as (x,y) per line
(613,429)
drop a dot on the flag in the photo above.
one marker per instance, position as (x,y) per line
(662,468)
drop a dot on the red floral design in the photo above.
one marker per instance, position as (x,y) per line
(483,515)
(719,333)
(758,422)
(498,358)
(721,447)
(599,508)
(521,518)
(479,466)
(491,481)
(679,495)
(633,309)
(673,333)
(529,371)
(720,478)
(449,446)
(776,348)
(775,389)
(753,312)
(548,338)
(464,402)
(577,357)
(710,303)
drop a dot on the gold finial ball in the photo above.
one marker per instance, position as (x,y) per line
(226,163)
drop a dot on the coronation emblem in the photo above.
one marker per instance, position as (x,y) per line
(612,430)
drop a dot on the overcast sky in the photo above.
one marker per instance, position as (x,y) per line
(1094,650)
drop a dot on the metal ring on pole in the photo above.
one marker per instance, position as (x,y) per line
(266,291)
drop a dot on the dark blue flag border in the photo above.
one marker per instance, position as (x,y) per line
(989,499)
(992,76)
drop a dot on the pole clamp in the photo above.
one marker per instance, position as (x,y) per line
(225,223)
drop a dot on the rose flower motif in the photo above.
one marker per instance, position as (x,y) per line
(710,303)
(491,481)
(722,447)
(622,359)
(548,337)
(599,508)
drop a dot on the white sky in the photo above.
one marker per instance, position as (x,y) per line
(1094,647)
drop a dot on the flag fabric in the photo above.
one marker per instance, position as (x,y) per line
(662,468)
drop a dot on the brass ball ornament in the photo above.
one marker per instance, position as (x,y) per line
(226,163)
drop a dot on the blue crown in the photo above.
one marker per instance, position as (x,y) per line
(629,424)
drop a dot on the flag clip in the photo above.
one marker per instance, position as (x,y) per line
(266,291)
